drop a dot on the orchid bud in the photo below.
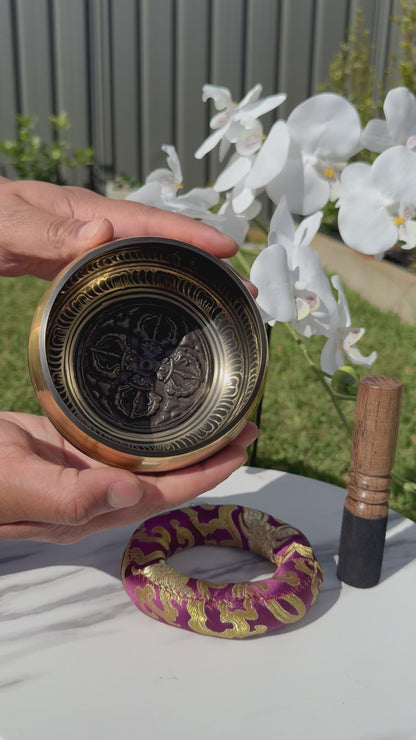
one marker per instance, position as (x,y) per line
(345,381)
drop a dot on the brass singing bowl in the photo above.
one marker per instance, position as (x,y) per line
(148,354)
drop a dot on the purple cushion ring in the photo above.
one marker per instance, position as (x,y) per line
(232,610)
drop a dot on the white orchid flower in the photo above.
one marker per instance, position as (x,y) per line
(342,339)
(230,122)
(400,124)
(233,178)
(378,202)
(303,158)
(249,136)
(162,186)
(229,222)
(289,276)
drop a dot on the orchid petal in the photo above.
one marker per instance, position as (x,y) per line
(394,174)
(270,274)
(400,111)
(305,306)
(221,96)
(250,138)
(305,190)
(228,223)
(203,198)
(234,130)
(343,307)
(407,234)
(314,280)
(355,175)
(353,353)
(264,105)
(220,119)
(289,181)
(173,162)
(376,136)
(312,275)
(210,142)
(224,147)
(272,156)
(281,224)
(253,210)
(308,228)
(250,97)
(316,191)
(236,170)
(332,356)
(161,175)
(242,198)
(327,125)
(363,223)
(353,336)
(149,194)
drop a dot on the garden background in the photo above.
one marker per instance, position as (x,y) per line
(129,75)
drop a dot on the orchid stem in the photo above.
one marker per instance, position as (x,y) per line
(260,226)
(243,264)
(320,376)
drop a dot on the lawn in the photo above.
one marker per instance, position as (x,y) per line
(300,431)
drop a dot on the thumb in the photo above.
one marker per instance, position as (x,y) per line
(66,239)
(40,243)
(45,492)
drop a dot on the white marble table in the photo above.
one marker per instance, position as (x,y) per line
(79,662)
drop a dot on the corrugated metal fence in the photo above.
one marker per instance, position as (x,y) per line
(129,73)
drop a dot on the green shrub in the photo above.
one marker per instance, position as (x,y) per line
(352,75)
(404,66)
(33,159)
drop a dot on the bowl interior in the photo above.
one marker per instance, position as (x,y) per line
(153,347)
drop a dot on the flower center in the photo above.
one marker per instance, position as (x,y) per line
(399,220)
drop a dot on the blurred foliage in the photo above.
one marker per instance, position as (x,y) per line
(352,75)
(34,159)
(404,65)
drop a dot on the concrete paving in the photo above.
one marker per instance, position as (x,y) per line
(382,284)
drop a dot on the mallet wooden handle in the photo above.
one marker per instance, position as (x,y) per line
(373,449)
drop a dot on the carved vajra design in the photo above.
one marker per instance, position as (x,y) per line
(145,368)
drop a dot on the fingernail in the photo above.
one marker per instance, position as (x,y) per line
(224,237)
(90,229)
(124,493)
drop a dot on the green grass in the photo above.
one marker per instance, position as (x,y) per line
(18,299)
(300,430)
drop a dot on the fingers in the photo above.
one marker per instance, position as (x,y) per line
(137,219)
(37,485)
(44,226)
(44,492)
(173,489)
(34,241)
(160,223)
(64,507)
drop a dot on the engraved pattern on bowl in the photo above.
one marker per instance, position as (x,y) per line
(149,348)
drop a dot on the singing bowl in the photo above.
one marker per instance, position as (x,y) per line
(148,354)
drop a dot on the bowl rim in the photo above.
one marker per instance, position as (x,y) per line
(77,432)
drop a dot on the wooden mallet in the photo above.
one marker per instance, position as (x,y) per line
(373,450)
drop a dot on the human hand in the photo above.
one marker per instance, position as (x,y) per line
(51,492)
(44,226)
